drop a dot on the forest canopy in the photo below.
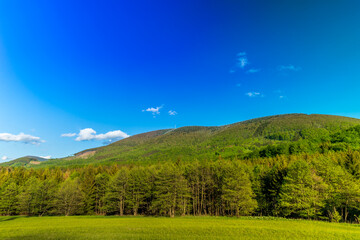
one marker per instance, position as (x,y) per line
(312,186)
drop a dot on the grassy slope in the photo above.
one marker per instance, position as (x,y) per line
(24,161)
(188,143)
(91,227)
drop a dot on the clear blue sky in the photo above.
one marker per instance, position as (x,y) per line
(67,66)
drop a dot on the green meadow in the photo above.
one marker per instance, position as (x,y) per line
(98,227)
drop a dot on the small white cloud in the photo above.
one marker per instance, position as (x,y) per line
(46,157)
(21,137)
(242,60)
(289,68)
(68,134)
(172,113)
(253,94)
(4,158)
(153,110)
(90,134)
(253,70)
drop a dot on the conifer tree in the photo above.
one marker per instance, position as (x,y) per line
(116,192)
(298,195)
(8,198)
(237,191)
(171,191)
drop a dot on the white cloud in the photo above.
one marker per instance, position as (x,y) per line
(46,157)
(172,113)
(153,110)
(68,134)
(87,134)
(242,60)
(289,68)
(253,70)
(4,158)
(253,94)
(21,137)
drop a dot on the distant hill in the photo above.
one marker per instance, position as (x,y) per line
(260,137)
(247,139)
(25,161)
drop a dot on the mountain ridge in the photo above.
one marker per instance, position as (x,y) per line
(258,137)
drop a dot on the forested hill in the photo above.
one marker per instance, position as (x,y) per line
(297,166)
(260,137)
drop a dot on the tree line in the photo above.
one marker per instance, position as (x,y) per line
(312,186)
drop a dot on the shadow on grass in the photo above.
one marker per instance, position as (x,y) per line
(5,219)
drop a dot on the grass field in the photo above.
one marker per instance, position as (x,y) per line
(94,227)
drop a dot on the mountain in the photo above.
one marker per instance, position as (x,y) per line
(260,137)
(26,161)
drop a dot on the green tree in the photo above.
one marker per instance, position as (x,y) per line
(237,191)
(44,201)
(69,197)
(271,183)
(346,196)
(8,198)
(298,195)
(138,188)
(88,188)
(101,183)
(352,163)
(27,196)
(171,191)
(116,192)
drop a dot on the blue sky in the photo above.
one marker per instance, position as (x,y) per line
(125,67)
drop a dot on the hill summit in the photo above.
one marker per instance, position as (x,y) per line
(260,137)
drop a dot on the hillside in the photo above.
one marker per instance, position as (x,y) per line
(260,137)
(26,161)
(296,166)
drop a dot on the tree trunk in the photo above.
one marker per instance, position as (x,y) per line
(121,208)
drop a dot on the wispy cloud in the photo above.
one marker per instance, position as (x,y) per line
(289,68)
(241,62)
(172,113)
(46,157)
(68,134)
(253,70)
(21,137)
(4,158)
(90,134)
(153,110)
(253,94)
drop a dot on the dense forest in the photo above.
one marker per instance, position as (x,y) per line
(312,186)
(295,166)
